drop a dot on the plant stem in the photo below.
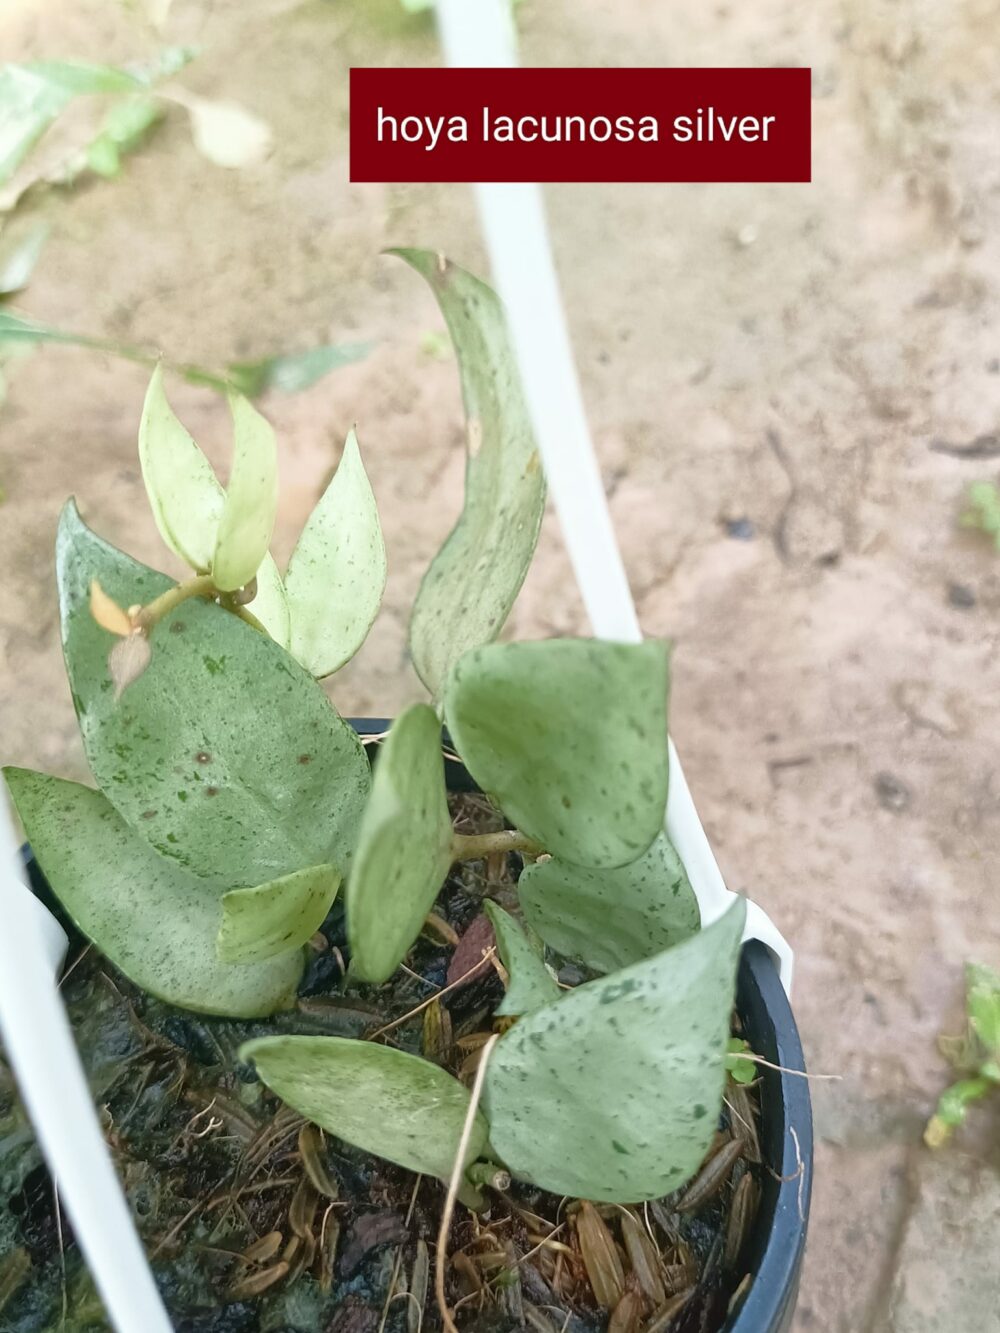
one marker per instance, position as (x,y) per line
(488,1174)
(475,846)
(151,614)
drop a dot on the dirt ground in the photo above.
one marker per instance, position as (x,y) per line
(779,362)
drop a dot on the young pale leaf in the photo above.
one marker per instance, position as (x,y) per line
(224,754)
(470,587)
(531,985)
(404,846)
(183,490)
(336,576)
(613,1092)
(570,737)
(381,1100)
(611,918)
(225,132)
(153,920)
(187,501)
(251,502)
(270,919)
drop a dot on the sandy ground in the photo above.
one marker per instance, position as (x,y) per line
(784,355)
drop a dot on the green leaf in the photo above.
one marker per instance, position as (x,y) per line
(738,1067)
(224,754)
(270,919)
(123,129)
(33,96)
(184,492)
(613,1092)
(19,253)
(381,1100)
(153,920)
(251,502)
(336,575)
(611,918)
(570,737)
(531,985)
(982,999)
(470,587)
(295,371)
(187,501)
(404,846)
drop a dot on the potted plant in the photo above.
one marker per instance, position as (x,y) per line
(375,1049)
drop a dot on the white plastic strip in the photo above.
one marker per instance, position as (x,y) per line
(38,1043)
(480,34)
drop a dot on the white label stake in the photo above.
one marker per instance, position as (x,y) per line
(480,34)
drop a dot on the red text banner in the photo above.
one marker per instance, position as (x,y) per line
(580,125)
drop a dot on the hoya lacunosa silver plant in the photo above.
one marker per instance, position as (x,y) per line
(234,803)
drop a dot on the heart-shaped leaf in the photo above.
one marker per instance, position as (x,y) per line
(530,985)
(384,1101)
(269,919)
(153,920)
(187,503)
(613,1092)
(336,576)
(570,737)
(470,587)
(251,502)
(404,847)
(224,754)
(611,918)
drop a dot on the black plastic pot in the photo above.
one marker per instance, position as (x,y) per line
(775,1252)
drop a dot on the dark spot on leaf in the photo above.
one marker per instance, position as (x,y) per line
(211,791)
(149,814)
(203,757)
(305,758)
(699,1111)
(177,627)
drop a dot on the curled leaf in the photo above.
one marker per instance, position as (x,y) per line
(108,614)
(269,919)
(470,587)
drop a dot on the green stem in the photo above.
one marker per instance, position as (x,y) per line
(489,1175)
(151,614)
(475,846)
